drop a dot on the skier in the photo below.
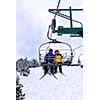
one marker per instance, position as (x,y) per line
(58,61)
(49,58)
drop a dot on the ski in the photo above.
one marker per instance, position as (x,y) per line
(42,76)
(54,76)
(62,74)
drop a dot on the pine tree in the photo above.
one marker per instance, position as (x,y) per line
(23,66)
(19,94)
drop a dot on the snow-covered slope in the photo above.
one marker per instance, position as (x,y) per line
(68,87)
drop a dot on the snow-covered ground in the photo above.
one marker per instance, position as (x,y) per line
(68,87)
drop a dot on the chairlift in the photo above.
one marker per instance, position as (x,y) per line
(64,48)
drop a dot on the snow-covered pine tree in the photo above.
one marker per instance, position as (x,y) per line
(23,65)
(19,94)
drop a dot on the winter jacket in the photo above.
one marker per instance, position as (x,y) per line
(49,57)
(58,58)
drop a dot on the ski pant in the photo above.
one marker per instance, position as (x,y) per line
(58,64)
(46,68)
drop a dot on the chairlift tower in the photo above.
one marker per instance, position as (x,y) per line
(73,31)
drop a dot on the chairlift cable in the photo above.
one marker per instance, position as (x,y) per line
(78,47)
(57,8)
(75,49)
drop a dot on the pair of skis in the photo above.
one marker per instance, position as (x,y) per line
(52,74)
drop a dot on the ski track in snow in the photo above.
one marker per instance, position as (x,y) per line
(68,87)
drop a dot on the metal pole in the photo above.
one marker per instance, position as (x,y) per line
(71,25)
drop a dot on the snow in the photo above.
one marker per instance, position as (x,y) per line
(67,87)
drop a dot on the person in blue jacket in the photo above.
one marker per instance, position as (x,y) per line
(49,58)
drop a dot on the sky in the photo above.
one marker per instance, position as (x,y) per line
(32,21)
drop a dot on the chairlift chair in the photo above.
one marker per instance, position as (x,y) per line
(64,48)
